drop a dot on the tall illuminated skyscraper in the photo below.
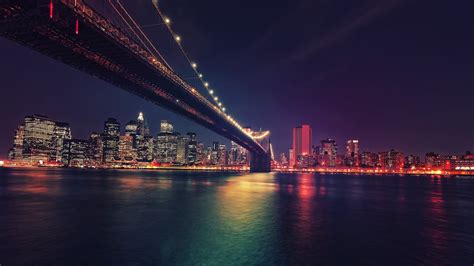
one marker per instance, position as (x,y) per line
(142,125)
(40,138)
(110,138)
(302,143)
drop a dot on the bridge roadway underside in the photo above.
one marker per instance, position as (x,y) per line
(94,51)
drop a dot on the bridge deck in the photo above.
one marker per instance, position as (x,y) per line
(102,50)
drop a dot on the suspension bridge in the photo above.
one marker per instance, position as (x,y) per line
(119,52)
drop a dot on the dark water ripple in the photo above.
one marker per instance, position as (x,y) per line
(83,217)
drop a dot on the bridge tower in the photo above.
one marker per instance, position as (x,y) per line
(260,162)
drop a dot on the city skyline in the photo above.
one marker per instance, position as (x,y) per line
(43,141)
(425,113)
(302,137)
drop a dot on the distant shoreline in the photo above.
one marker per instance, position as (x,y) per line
(374,172)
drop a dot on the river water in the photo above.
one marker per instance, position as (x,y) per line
(119,217)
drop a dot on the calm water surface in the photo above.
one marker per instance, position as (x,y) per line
(84,217)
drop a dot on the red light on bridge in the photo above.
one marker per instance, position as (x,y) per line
(77,26)
(51,9)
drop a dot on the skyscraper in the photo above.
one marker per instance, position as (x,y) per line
(40,139)
(192,148)
(146,148)
(110,138)
(95,150)
(182,150)
(74,153)
(201,153)
(302,144)
(222,155)
(17,150)
(126,150)
(215,153)
(131,128)
(61,132)
(142,125)
(391,159)
(166,144)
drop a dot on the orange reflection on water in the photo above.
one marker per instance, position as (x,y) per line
(244,199)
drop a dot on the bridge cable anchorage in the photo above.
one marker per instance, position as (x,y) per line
(193,65)
(137,26)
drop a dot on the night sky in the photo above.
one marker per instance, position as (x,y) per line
(393,74)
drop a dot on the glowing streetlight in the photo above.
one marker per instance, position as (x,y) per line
(200,75)
(206,84)
(194,65)
(216,98)
(167,21)
(177,38)
(220,104)
(211,92)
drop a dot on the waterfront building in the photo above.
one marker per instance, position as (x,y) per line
(222,155)
(95,149)
(16,153)
(39,138)
(208,156)
(243,156)
(328,153)
(127,152)
(110,138)
(201,153)
(192,148)
(302,144)
(432,160)
(465,162)
(166,144)
(146,148)
(74,153)
(352,153)
(182,150)
(233,155)
(61,132)
(391,159)
(214,160)
(369,159)
(412,161)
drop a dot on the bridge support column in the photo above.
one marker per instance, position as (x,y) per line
(260,163)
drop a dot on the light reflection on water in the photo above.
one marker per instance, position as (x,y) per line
(60,216)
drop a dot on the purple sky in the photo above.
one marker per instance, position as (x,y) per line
(393,74)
